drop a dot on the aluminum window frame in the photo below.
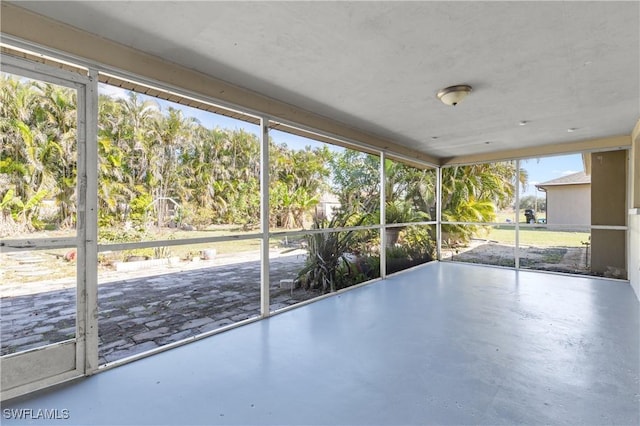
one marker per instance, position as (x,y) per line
(522,226)
(67,359)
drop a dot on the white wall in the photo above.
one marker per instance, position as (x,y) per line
(569,205)
(634,253)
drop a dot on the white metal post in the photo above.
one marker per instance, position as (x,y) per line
(90,241)
(383,218)
(439,214)
(628,205)
(264,217)
(53,363)
(82,261)
(516,251)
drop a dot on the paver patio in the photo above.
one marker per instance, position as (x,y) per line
(142,313)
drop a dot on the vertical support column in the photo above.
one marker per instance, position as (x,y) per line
(87,227)
(439,214)
(91,230)
(628,205)
(264,217)
(383,218)
(82,258)
(633,218)
(608,208)
(516,252)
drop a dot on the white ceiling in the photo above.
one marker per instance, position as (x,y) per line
(377,65)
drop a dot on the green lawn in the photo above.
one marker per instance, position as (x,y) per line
(192,250)
(540,237)
(502,216)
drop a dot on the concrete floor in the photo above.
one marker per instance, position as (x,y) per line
(445,343)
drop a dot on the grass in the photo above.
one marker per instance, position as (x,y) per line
(192,250)
(553,255)
(535,237)
(540,237)
(503,215)
(58,268)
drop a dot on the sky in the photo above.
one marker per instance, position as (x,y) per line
(539,169)
(547,168)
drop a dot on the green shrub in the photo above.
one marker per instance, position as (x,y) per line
(329,267)
(138,206)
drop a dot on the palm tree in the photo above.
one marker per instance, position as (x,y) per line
(356,179)
(474,193)
(37,156)
(59,155)
(135,122)
(298,179)
(20,135)
(172,133)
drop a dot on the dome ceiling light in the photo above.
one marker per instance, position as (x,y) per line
(452,95)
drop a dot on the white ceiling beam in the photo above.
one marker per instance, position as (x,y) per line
(590,145)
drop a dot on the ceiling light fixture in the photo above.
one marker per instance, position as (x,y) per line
(523,123)
(452,95)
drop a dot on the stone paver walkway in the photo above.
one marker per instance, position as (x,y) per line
(142,313)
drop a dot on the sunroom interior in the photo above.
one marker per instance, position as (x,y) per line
(361,252)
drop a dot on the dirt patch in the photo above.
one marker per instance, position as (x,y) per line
(553,258)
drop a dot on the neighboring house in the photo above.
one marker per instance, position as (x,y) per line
(327,206)
(568,199)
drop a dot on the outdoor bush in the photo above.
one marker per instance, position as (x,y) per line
(417,247)
(329,265)
(199,217)
(403,212)
(138,254)
(138,208)
(111,235)
(420,240)
(367,268)
(162,252)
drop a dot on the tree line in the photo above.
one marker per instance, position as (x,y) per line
(158,165)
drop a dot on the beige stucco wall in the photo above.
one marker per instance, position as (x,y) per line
(609,207)
(569,205)
(609,188)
